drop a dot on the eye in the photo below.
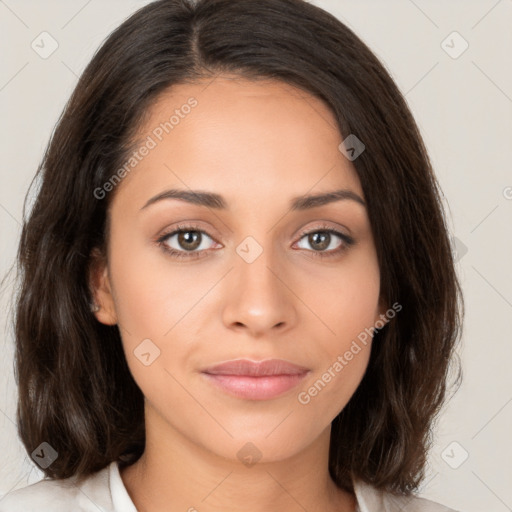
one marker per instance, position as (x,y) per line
(326,241)
(186,241)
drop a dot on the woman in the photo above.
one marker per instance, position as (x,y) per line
(237,288)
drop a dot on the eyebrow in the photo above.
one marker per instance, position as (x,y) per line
(216,201)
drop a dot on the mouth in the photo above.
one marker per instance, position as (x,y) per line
(256,380)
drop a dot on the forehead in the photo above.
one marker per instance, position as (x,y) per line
(241,138)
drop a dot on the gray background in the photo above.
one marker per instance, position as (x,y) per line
(463,105)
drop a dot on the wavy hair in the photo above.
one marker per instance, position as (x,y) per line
(75,389)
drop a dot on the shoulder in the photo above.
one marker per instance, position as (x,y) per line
(370,499)
(48,495)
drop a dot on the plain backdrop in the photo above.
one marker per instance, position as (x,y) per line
(458,86)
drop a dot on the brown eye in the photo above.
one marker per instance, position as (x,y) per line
(189,240)
(186,241)
(319,240)
(325,242)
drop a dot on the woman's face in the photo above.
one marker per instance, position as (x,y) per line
(251,276)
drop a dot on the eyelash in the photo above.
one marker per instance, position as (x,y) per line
(347,242)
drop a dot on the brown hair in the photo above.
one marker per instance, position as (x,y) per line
(75,389)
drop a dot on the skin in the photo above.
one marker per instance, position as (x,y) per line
(258,144)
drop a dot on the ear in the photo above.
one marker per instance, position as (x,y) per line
(101,289)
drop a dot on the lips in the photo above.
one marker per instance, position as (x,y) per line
(255,380)
(246,367)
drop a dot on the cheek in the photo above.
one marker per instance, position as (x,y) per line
(343,355)
(152,306)
(153,294)
(331,388)
(345,299)
(346,303)
(154,303)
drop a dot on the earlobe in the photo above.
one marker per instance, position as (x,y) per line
(95,307)
(103,306)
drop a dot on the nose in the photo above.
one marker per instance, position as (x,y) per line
(259,299)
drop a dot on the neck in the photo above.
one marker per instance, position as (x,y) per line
(174,474)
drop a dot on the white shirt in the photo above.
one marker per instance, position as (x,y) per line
(105,491)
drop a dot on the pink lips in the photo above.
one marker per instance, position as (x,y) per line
(256,380)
